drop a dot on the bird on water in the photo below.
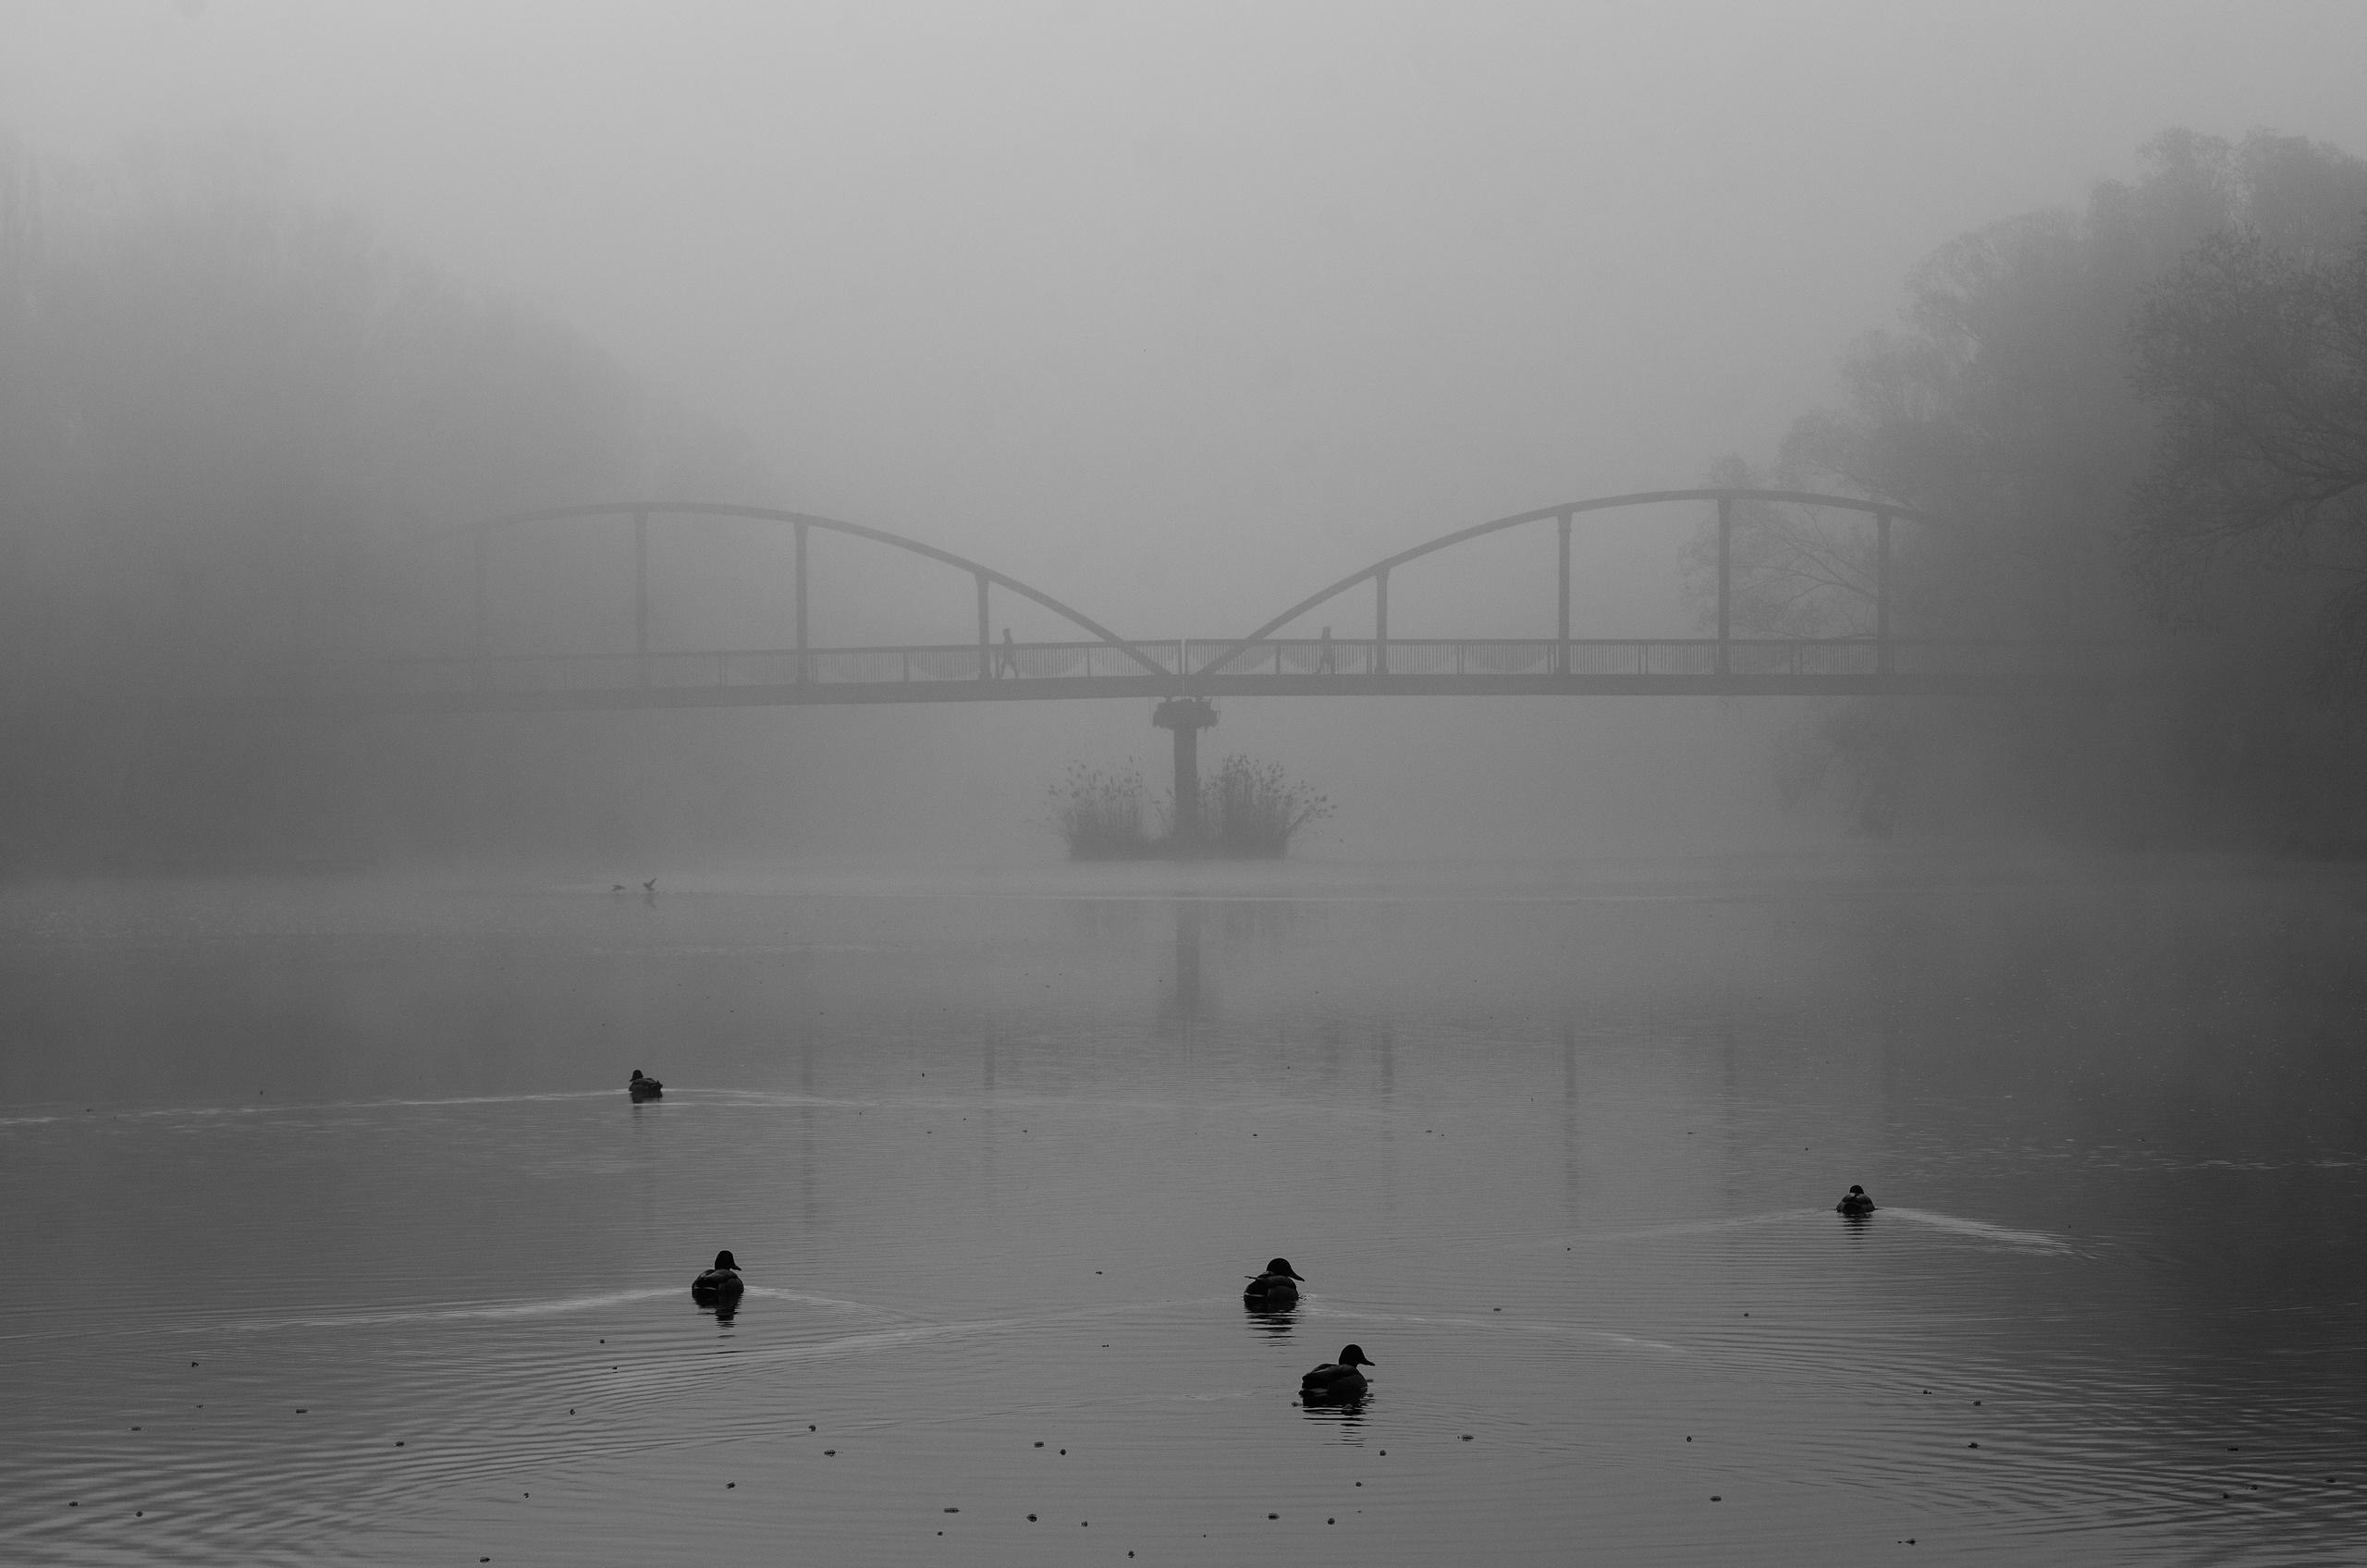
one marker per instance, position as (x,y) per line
(642,1088)
(1854,1201)
(1337,1379)
(722,1282)
(1275,1288)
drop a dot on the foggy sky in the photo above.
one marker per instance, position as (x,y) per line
(1129,299)
(1181,312)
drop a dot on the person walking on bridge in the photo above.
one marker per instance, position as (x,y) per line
(1323,665)
(1007,657)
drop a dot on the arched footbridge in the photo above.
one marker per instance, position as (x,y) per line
(1098,662)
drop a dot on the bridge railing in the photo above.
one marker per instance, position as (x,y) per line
(1646,656)
(750,667)
(1294,658)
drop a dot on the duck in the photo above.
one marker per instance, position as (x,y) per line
(1337,1379)
(642,1088)
(1854,1201)
(722,1282)
(1274,1291)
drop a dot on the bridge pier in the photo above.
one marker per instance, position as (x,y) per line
(1186,716)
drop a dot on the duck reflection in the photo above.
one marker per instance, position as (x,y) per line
(1277,1321)
(1346,1414)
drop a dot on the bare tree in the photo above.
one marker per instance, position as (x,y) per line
(2254,358)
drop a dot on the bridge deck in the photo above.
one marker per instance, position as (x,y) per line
(1293,668)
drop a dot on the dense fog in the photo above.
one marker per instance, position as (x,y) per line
(1176,316)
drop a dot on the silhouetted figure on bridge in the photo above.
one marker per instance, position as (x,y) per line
(1007,657)
(1323,665)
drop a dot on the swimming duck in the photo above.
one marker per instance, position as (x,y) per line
(1274,1291)
(1336,1379)
(642,1088)
(719,1283)
(1854,1201)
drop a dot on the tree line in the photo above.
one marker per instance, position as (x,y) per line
(230,420)
(2144,424)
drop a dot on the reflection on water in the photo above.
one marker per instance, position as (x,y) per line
(385,1267)
(1275,1323)
(1348,1415)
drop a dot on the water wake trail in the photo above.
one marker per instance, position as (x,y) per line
(1979,1229)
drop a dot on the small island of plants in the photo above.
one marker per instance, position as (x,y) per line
(1249,810)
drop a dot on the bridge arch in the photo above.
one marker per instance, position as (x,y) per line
(1883,512)
(482,530)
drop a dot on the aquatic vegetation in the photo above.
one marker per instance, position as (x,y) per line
(1099,812)
(1249,810)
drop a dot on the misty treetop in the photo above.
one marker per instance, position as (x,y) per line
(2130,423)
(2253,358)
(227,417)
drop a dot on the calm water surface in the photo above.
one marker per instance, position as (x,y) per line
(331,1236)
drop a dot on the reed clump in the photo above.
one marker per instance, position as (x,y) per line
(1249,810)
(1099,812)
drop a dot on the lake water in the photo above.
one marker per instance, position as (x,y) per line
(330,1234)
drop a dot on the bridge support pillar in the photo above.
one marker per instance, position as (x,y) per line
(1186,716)
(1561,648)
(481,614)
(641,597)
(802,676)
(1882,593)
(986,639)
(1725,581)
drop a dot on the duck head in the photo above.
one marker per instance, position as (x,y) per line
(636,1076)
(1282,1265)
(724,1260)
(1354,1355)
(1857,1192)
